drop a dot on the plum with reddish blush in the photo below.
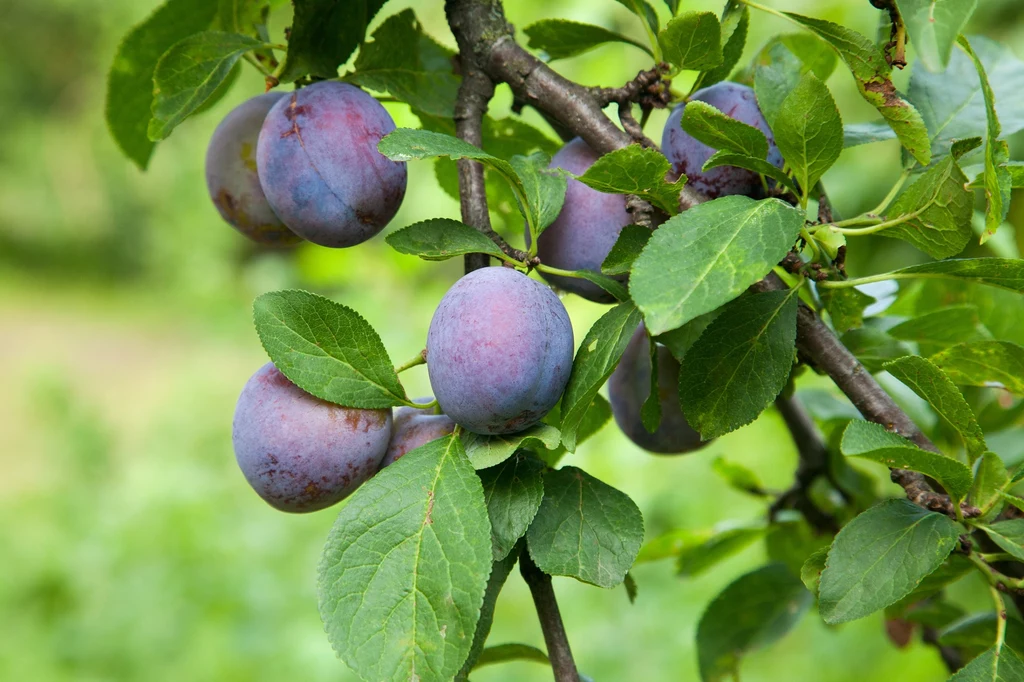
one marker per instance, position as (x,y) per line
(319,165)
(499,351)
(300,453)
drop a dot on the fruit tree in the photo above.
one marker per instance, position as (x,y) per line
(729,278)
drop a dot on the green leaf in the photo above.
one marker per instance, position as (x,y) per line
(735,23)
(710,126)
(709,255)
(756,610)
(989,483)
(856,134)
(501,653)
(871,441)
(499,574)
(585,529)
(594,363)
(405,144)
(953,569)
(324,34)
(845,307)
(130,82)
(933,26)
(560,38)
(650,411)
(636,170)
(782,62)
(976,632)
(740,363)
(873,347)
(952,103)
(247,17)
(881,556)
(810,572)
(643,10)
(420,73)
(929,382)
(1005,273)
(941,328)
(403,575)
(327,349)
(737,476)
(1009,535)
(488,451)
(692,41)
(189,73)
(543,190)
(695,558)
(513,491)
(724,158)
(936,211)
(594,418)
(1014,500)
(992,666)
(984,363)
(809,131)
(998,181)
(440,239)
(871,72)
(680,341)
(632,240)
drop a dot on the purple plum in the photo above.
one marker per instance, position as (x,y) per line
(586,228)
(320,168)
(628,388)
(499,351)
(413,427)
(688,155)
(300,453)
(231,174)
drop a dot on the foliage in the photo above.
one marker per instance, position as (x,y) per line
(413,565)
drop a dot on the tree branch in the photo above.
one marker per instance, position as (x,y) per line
(820,347)
(562,663)
(813,464)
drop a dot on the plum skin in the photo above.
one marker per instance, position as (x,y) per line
(319,165)
(628,388)
(688,155)
(499,351)
(413,427)
(300,453)
(231,176)
(586,228)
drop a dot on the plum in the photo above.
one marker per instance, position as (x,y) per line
(413,427)
(499,351)
(320,168)
(586,228)
(688,155)
(231,174)
(628,388)
(300,453)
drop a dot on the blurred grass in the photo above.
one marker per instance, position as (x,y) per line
(132,548)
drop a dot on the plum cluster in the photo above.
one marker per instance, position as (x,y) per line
(285,167)
(499,351)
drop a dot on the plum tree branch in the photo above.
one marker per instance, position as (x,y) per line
(562,663)
(813,464)
(817,344)
(486,38)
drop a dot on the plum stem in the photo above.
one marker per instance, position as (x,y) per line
(420,359)
(562,663)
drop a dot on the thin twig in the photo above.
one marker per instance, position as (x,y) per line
(559,653)
(813,464)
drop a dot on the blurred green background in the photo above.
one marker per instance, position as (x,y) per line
(132,548)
